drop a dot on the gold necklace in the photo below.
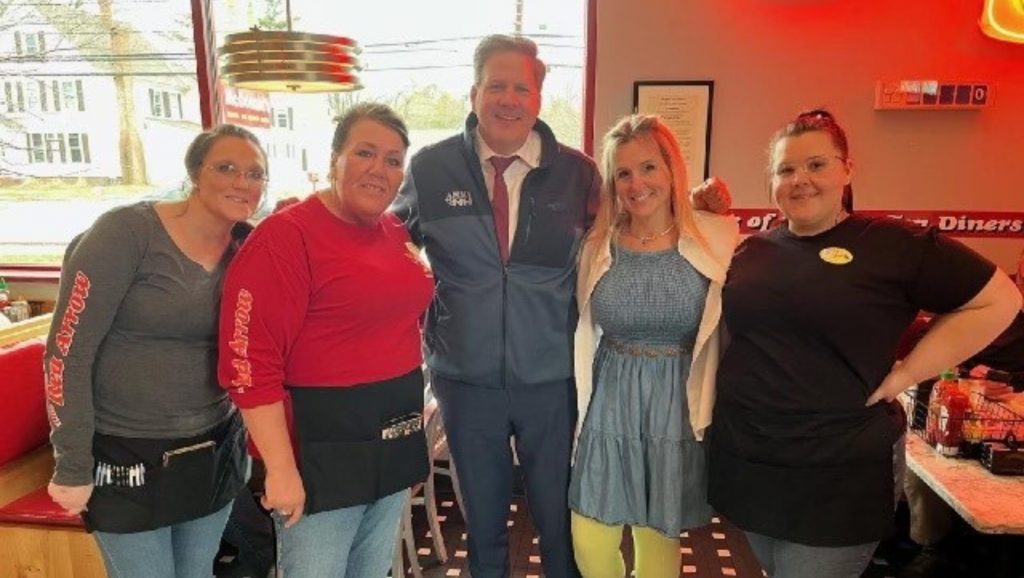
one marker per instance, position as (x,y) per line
(644,239)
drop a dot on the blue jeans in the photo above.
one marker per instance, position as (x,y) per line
(354,542)
(782,559)
(184,550)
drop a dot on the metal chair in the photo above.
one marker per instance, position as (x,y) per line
(424,494)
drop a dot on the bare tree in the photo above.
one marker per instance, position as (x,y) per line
(339,102)
(133,159)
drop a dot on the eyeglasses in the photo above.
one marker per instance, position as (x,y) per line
(254,177)
(813,166)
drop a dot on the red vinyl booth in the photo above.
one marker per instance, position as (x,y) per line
(37,537)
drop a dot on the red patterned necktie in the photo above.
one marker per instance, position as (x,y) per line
(499,202)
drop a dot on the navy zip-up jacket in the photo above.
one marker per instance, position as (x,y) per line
(490,324)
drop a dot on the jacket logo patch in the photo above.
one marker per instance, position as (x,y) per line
(459,199)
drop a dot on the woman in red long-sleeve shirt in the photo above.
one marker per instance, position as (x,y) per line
(320,348)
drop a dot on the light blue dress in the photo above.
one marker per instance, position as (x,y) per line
(638,462)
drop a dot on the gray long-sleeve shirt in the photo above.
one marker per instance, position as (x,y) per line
(132,347)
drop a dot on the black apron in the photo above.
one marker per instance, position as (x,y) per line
(145,484)
(358,444)
(814,479)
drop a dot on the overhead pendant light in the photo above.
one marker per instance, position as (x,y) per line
(287,61)
(1003,20)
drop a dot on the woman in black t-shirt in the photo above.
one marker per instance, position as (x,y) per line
(804,425)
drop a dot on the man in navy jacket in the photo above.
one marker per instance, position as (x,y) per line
(499,332)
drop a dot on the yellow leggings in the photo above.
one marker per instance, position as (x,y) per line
(598,554)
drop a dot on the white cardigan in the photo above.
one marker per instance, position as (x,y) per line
(722,235)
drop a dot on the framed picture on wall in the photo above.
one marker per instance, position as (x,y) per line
(685,106)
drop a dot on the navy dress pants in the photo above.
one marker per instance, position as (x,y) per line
(480,421)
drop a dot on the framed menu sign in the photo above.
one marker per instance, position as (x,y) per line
(685,106)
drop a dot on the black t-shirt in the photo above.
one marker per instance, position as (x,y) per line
(814,323)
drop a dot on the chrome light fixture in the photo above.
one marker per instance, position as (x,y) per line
(287,61)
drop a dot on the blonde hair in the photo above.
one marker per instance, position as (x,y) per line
(611,217)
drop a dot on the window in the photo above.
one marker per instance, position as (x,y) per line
(66,118)
(67,95)
(156,104)
(420,64)
(14,96)
(29,43)
(38,96)
(78,146)
(282,118)
(55,147)
(33,98)
(58,148)
(164,104)
(36,153)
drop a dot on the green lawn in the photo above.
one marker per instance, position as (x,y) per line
(34,259)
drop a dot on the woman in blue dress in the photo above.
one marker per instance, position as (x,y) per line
(647,347)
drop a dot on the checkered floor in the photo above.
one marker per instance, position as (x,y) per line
(715,550)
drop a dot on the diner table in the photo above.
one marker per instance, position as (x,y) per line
(989,503)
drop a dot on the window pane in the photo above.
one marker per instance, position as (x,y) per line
(419,63)
(75,146)
(53,187)
(67,88)
(32,96)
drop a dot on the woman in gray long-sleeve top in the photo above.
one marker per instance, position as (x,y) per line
(148,448)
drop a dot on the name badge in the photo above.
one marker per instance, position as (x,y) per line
(835,255)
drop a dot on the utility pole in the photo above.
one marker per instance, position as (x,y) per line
(518,24)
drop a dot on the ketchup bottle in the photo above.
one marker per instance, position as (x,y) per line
(953,406)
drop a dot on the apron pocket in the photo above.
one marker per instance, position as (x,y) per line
(184,486)
(343,474)
(119,510)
